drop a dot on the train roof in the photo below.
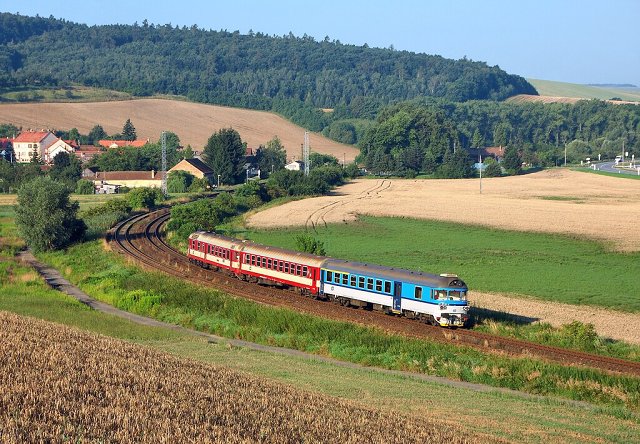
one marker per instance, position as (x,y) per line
(283,254)
(210,237)
(394,274)
(250,247)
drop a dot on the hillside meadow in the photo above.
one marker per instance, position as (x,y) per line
(194,123)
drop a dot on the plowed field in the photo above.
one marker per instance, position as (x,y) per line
(194,123)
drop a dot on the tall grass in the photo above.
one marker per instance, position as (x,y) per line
(552,267)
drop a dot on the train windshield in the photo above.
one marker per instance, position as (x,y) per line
(450,295)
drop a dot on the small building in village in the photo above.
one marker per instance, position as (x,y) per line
(112,180)
(196,167)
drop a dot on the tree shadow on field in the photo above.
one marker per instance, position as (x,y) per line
(480,315)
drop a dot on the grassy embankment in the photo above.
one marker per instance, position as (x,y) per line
(111,280)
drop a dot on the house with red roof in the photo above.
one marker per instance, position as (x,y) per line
(87,152)
(29,143)
(60,146)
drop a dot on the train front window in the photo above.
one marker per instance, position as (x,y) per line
(439,295)
(457,295)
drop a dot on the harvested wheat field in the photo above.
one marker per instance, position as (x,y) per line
(59,384)
(552,201)
(194,123)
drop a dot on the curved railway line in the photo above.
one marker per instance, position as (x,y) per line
(140,237)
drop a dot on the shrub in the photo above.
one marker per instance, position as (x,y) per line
(140,198)
(307,243)
(84,186)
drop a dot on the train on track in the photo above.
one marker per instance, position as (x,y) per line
(434,299)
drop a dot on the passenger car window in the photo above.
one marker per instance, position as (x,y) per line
(418,293)
(378,285)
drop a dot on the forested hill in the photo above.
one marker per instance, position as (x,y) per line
(252,70)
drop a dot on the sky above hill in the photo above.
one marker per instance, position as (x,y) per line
(577,41)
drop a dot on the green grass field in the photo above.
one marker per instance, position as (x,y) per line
(562,89)
(551,267)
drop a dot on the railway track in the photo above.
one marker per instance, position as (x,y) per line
(140,237)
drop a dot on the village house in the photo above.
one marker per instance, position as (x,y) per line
(196,167)
(85,153)
(43,143)
(59,146)
(103,180)
(29,143)
(296,165)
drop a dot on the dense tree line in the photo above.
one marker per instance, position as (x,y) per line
(422,135)
(253,70)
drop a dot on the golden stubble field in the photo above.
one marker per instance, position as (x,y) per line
(61,384)
(194,123)
(552,201)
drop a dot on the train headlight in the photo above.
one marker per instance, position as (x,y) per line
(466,308)
(443,306)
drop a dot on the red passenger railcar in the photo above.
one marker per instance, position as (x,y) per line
(256,263)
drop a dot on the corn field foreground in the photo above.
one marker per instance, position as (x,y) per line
(58,383)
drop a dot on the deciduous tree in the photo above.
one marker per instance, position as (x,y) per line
(45,216)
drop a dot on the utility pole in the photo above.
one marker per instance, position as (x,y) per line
(305,153)
(480,157)
(164,163)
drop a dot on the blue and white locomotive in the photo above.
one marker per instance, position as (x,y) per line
(435,299)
